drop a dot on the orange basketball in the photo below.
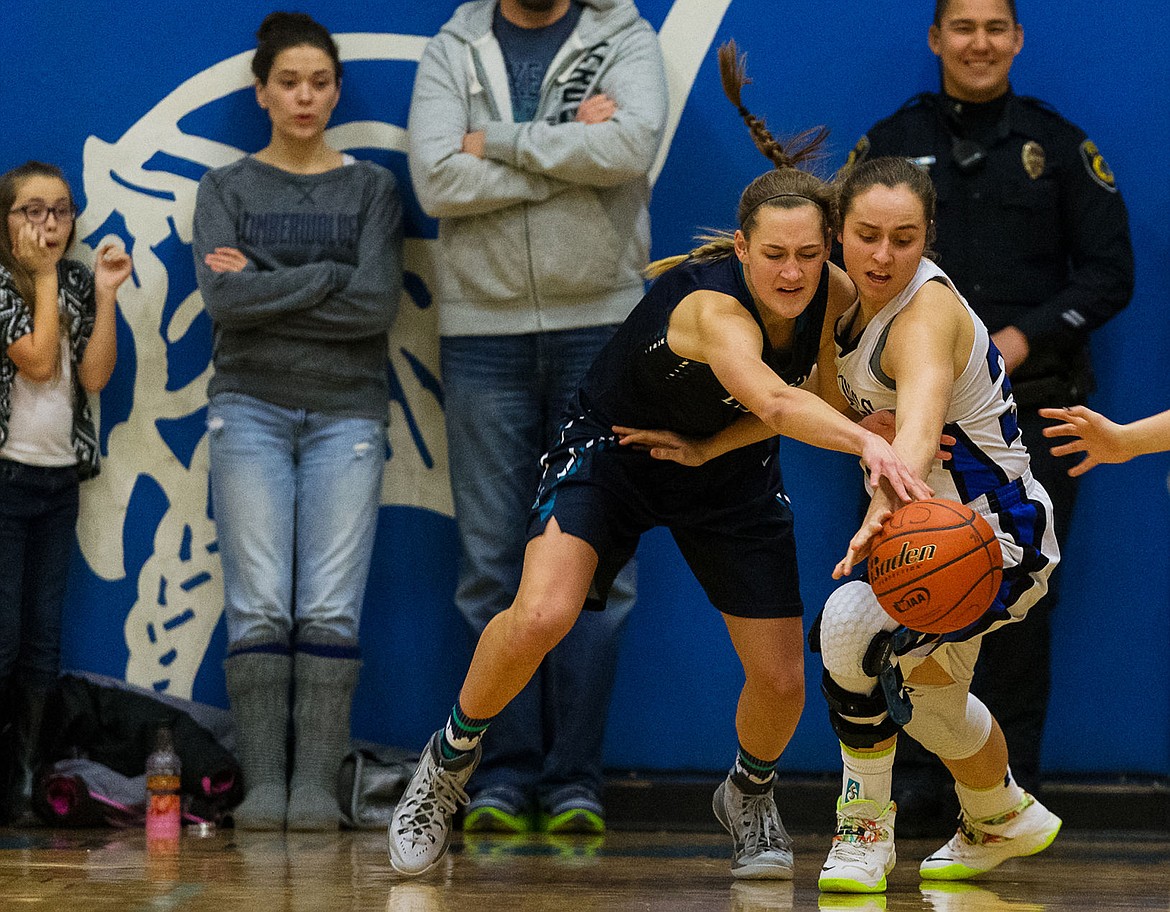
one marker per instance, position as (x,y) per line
(935,566)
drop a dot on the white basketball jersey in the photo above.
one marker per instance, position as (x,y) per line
(988,452)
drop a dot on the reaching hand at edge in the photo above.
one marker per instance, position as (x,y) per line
(1102,440)
(862,541)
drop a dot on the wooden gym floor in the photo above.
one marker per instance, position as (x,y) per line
(112,871)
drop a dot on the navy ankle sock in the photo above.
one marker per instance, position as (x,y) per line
(752,775)
(461,734)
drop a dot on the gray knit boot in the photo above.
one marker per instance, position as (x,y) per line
(257,686)
(323,693)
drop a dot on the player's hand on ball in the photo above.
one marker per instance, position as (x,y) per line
(860,544)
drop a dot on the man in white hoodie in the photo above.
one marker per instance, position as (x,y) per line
(533,127)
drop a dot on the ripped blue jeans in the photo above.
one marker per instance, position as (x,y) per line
(295,495)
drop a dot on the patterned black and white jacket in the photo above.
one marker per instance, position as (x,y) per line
(79,308)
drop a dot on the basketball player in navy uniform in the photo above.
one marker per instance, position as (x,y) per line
(732,330)
(1032,229)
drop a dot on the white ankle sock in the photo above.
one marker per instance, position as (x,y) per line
(867,774)
(979,804)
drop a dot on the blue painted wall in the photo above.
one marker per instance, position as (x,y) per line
(135,108)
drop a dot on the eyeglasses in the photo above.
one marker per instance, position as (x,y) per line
(38,213)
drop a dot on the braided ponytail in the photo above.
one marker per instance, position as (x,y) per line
(785,186)
(802,147)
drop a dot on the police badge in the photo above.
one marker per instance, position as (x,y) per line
(1033,157)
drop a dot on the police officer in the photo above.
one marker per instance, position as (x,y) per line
(1034,233)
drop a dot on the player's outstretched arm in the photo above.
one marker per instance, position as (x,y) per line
(723,335)
(1102,440)
(694,451)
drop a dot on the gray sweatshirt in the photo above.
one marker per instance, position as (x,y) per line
(304,324)
(550,230)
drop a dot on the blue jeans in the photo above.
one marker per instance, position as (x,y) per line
(295,495)
(503,401)
(38,516)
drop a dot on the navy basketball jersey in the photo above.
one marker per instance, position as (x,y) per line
(638,381)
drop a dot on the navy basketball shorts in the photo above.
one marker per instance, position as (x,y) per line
(730,518)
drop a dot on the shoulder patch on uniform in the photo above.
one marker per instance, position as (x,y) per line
(860,151)
(1096,166)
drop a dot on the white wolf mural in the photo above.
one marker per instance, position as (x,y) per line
(141,189)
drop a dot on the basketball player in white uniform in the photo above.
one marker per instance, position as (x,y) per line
(912,345)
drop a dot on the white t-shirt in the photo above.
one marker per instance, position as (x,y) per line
(40,428)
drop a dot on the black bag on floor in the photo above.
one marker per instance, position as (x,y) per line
(95,739)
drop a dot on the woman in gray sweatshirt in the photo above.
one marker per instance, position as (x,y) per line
(298,251)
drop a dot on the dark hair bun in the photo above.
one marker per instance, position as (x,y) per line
(278,23)
(280,31)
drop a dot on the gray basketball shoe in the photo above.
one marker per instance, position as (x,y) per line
(420,829)
(763,849)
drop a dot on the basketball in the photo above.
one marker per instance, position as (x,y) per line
(935,566)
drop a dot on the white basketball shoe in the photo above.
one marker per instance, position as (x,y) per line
(980,845)
(862,853)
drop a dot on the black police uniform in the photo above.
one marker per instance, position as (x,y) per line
(1033,232)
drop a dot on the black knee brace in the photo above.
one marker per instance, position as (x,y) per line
(877,725)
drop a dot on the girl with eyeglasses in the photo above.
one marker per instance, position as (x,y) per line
(57,332)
